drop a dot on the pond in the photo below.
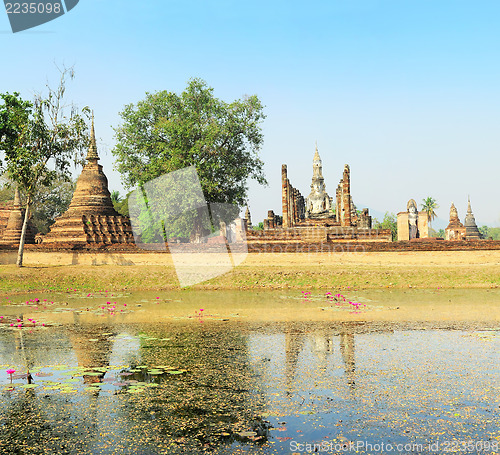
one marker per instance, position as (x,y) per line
(250,372)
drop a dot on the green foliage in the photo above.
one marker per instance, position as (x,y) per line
(429,205)
(52,201)
(487,232)
(48,202)
(39,140)
(389,222)
(120,204)
(115,196)
(6,190)
(259,227)
(440,233)
(167,132)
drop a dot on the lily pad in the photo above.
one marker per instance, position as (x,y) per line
(247,434)
(155,372)
(28,386)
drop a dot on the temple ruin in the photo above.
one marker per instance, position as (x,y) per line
(91,217)
(471,230)
(455,229)
(11,223)
(412,224)
(317,218)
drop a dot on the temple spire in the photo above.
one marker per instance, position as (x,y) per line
(316,154)
(17,198)
(471,230)
(92,153)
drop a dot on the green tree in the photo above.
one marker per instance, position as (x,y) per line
(440,233)
(259,227)
(389,222)
(429,206)
(6,189)
(166,132)
(115,196)
(38,140)
(120,204)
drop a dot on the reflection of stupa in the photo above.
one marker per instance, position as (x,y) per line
(91,217)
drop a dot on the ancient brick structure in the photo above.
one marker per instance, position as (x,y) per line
(5,208)
(11,235)
(293,202)
(471,230)
(412,224)
(248,218)
(345,206)
(318,203)
(313,220)
(455,229)
(91,217)
(272,221)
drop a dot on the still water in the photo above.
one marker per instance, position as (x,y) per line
(250,372)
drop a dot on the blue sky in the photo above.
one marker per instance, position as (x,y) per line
(407,93)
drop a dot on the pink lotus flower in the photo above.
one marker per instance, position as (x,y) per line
(10,372)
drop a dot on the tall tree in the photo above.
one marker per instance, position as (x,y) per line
(166,132)
(429,206)
(39,140)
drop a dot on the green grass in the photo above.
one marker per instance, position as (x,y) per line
(108,277)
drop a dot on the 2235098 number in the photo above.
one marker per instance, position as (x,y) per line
(33,8)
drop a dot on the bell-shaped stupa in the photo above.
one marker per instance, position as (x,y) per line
(471,230)
(91,217)
(12,232)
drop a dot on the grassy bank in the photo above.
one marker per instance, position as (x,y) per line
(277,271)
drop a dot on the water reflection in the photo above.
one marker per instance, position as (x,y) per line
(226,385)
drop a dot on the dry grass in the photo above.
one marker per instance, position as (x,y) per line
(458,269)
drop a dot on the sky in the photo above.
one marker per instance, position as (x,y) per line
(406,93)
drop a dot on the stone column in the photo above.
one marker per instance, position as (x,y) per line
(346,196)
(285,196)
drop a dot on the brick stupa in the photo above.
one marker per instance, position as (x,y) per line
(455,229)
(471,230)
(11,235)
(91,217)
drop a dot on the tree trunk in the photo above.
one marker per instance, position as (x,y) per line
(20,252)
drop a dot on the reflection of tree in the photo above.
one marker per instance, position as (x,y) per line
(212,402)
